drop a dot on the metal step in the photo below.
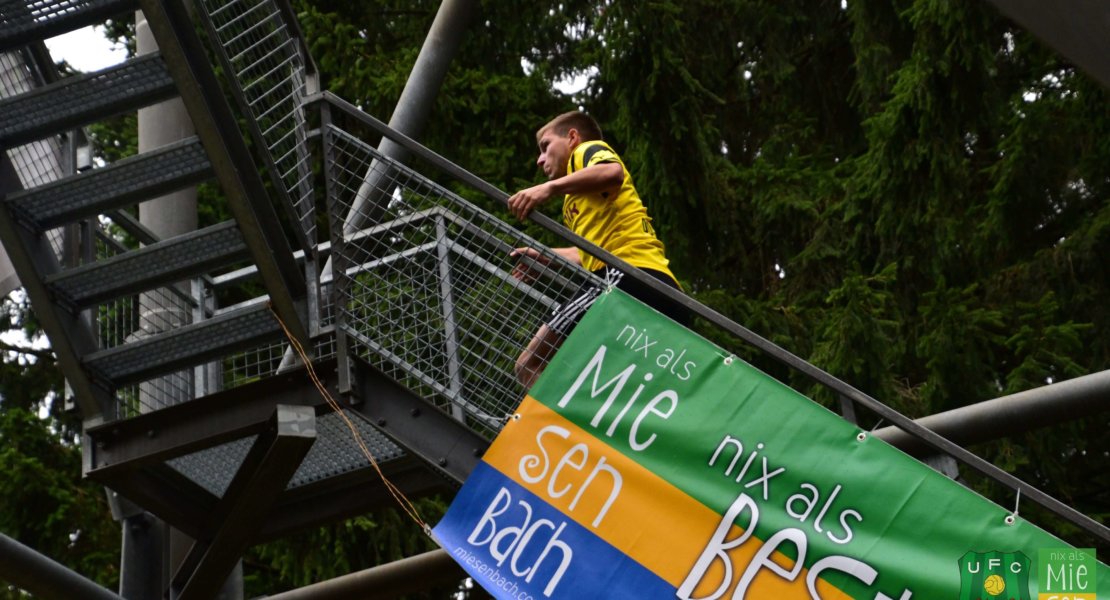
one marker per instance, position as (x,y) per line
(25,21)
(166,262)
(125,182)
(76,101)
(186,346)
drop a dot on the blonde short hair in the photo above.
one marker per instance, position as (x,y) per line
(587,127)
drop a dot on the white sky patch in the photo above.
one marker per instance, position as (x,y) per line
(86,49)
(567,85)
(577,83)
(17,337)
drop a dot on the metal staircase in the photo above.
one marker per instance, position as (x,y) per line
(177,350)
(185,414)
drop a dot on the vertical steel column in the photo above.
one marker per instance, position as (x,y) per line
(334,272)
(450,327)
(143,545)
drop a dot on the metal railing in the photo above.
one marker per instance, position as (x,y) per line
(41,161)
(259,47)
(377,304)
(426,290)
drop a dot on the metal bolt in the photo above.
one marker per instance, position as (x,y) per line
(381,422)
(150,433)
(415,412)
(443,462)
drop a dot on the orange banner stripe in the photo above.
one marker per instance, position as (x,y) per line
(572,470)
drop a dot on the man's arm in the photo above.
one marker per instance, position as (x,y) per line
(529,257)
(593,179)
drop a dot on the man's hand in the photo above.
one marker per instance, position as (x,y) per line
(528,268)
(522,202)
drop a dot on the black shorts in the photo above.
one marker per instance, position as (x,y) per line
(567,315)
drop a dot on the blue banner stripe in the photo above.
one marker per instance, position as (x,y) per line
(517,547)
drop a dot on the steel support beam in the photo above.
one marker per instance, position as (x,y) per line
(70,337)
(130,455)
(1010,415)
(41,576)
(116,448)
(166,493)
(416,425)
(273,459)
(349,495)
(387,581)
(1077,29)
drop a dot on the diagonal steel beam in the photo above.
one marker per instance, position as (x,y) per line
(1069,400)
(1077,29)
(417,425)
(70,337)
(273,459)
(350,495)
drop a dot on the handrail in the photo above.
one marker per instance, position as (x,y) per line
(694,307)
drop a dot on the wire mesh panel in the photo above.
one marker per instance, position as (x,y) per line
(267,70)
(428,290)
(268,360)
(38,162)
(138,316)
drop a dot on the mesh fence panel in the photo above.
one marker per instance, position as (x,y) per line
(426,290)
(267,69)
(267,360)
(38,162)
(135,317)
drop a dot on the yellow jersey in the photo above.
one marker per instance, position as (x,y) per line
(618,222)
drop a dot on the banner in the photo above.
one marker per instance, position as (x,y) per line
(648,463)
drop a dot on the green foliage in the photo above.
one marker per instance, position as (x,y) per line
(352,545)
(45,505)
(912,195)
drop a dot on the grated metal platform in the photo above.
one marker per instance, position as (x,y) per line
(185,346)
(93,192)
(25,21)
(334,453)
(78,100)
(162,263)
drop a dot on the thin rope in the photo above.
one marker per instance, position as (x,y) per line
(397,494)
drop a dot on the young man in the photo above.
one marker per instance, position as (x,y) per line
(600,204)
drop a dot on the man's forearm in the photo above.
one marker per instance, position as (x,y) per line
(570,253)
(593,179)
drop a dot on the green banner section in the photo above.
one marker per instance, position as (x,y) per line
(864,516)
